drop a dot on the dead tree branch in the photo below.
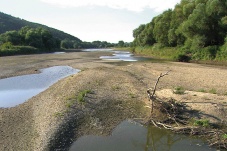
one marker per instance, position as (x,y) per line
(151,96)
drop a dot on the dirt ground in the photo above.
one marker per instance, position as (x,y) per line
(117,91)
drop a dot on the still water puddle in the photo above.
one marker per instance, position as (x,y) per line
(16,90)
(131,136)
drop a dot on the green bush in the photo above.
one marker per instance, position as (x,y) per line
(206,53)
(182,57)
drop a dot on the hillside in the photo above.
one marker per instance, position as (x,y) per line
(8,22)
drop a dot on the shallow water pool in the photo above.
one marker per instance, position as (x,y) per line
(131,136)
(16,90)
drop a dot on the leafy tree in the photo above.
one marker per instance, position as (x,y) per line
(11,36)
(162,26)
(33,38)
(121,43)
(6,46)
(22,32)
(197,27)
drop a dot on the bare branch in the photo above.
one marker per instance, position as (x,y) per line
(151,96)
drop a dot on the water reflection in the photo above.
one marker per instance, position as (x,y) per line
(130,136)
(16,90)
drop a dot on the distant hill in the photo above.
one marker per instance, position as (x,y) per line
(8,22)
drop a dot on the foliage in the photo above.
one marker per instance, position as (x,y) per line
(224,136)
(203,123)
(26,41)
(6,46)
(197,26)
(157,51)
(182,57)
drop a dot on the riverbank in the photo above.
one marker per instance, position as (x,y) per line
(114,92)
(179,54)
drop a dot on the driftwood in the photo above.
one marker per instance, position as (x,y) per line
(177,117)
(151,96)
(177,121)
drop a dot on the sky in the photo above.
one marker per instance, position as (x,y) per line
(89,20)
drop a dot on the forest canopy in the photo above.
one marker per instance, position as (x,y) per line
(197,28)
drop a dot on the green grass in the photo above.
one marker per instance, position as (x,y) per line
(157,52)
(213,91)
(202,90)
(224,136)
(179,90)
(203,123)
(184,54)
(82,95)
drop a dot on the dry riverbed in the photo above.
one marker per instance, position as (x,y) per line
(112,93)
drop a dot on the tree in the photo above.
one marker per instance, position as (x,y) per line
(121,43)
(161,27)
(33,38)
(22,32)
(6,46)
(11,36)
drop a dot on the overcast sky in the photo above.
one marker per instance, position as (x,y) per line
(89,20)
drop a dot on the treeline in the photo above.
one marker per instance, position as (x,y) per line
(194,29)
(27,40)
(34,37)
(72,44)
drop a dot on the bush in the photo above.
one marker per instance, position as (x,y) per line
(207,53)
(19,50)
(182,58)
(6,46)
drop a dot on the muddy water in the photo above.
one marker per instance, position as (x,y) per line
(131,136)
(16,90)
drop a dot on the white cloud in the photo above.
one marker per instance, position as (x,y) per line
(132,5)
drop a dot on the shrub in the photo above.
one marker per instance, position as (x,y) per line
(182,57)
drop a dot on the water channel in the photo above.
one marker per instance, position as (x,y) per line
(118,55)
